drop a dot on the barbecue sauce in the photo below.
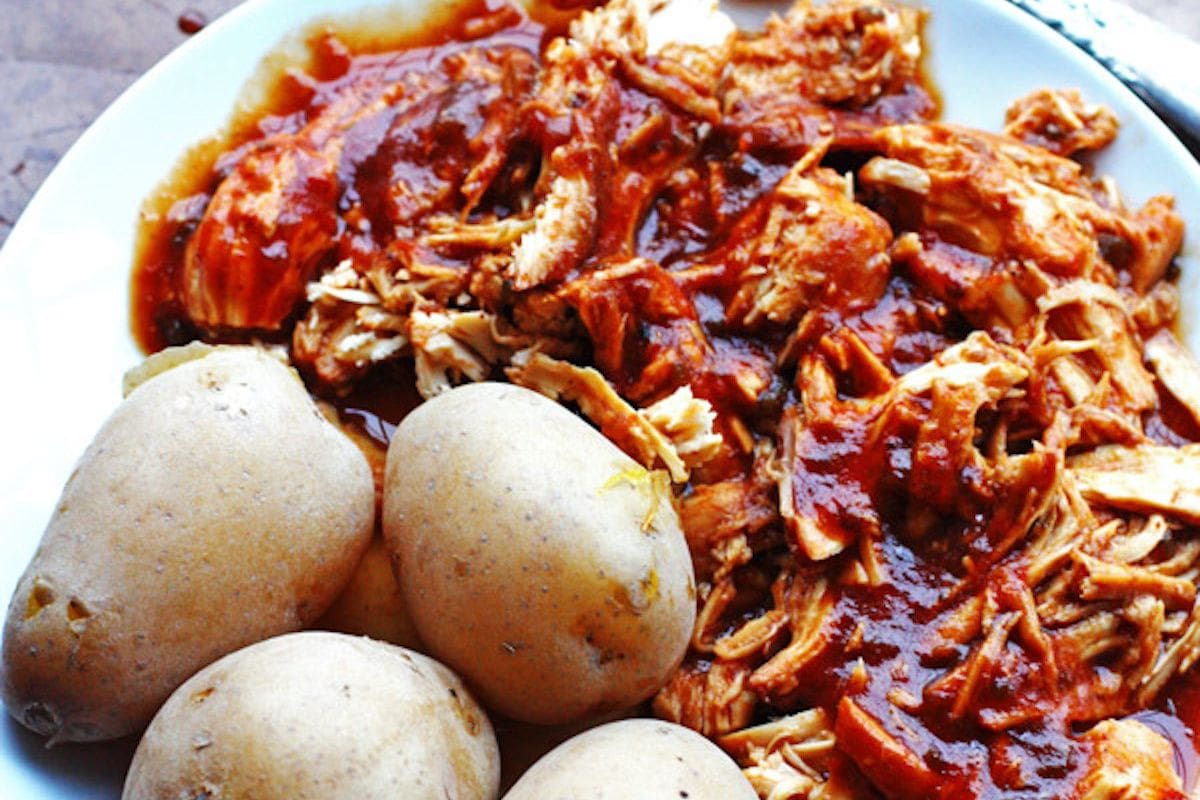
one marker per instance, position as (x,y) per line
(379,401)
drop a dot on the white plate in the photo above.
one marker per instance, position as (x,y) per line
(65,268)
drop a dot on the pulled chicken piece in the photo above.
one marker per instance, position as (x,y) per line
(1096,316)
(811,244)
(1144,479)
(887,761)
(1128,761)
(829,67)
(716,515)
(844,52)
(1002,199)
(262,237)
(790,757)
(562,228)
(1060,121)
(1178,369)
(841,455)
(710,698)
(273,219)
(643,29)
(630,85)
(450,346)
(598,400)
(688,422)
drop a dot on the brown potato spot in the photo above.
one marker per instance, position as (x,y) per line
(39,597)
(470,720)
(202,695)
(76,610)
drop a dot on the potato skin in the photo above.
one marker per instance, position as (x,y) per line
(518,535)
(320,716)
(372,603)
(634,759)
(215,507)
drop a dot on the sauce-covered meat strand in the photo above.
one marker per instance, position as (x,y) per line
(932,435)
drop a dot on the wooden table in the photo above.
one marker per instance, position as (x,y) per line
(63,61)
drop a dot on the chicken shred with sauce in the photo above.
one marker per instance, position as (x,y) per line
(916,385)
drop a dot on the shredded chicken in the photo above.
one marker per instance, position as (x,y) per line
(808,69)
(1043,208)
(1146,479)
(643,28)
(815,244)
(1129,761)
(688,422)
(1060,121)
(916,387)
(712,700)
(635,432)
(937,434)
(268,225)
(789,758)
(562,225)
(1176,368)
(451,346)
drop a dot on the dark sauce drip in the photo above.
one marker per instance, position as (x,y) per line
(380,401)
(191,21)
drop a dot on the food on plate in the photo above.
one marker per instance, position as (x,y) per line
(322,716)
(635,759)
(537,560)
(215,507)
(917,388)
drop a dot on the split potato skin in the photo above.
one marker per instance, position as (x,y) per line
(634,759)
(536,559)
(216,507)
(318,716)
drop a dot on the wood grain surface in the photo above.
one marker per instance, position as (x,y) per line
(63,61)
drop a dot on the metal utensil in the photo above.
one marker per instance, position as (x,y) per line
(1159,65)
